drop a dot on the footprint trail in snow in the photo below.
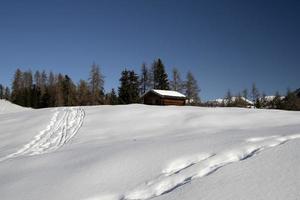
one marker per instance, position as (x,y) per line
(187,169)
(64,124)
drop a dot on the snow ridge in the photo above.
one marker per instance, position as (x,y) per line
(8,107)
(193,170)
(187,169)
(63,126)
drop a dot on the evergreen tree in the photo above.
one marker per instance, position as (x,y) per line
(96,85)
(255,96)
(45,99)
(27,87)
(112,98)
(1,91)
(129,88)
(276,103)
(17,88)
(192,89)
(7,94)
(291,101)
(160,77)
(263,101)
(35,96)
(69,91)
(176,83)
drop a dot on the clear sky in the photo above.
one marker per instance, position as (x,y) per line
(225,43)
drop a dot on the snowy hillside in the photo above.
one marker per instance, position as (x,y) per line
(8,107)
(138,152)
(225,101)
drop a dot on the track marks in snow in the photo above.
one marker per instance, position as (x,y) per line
(64,124)
(182,163)
(185,170)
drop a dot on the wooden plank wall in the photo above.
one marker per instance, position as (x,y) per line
(176,102)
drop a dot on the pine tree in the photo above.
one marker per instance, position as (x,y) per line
(192,89)
(96,85)
(255,95)
(291,101)
(7,94)
(17,88)
(35,96)
(112,98)
(263,101)
(176,83)
(69,91)
(27,87)
(129,87)
(45,99)
(160,77)
(1,91)
(276,103)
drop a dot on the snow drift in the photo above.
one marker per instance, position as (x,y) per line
(138,152)
(8,107)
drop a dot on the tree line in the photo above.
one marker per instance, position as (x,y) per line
(41,89)
(289,101)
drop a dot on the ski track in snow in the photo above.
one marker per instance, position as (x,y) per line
(64,124)
(186,169)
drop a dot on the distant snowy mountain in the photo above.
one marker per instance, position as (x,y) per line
(8,107)
(225,101)
(271,98)
(221,101)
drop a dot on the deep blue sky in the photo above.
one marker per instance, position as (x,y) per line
(226,44)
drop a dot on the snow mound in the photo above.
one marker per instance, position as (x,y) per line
(8,107)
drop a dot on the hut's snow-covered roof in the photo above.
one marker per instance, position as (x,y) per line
(167,93)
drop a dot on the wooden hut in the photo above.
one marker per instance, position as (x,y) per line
(164,97)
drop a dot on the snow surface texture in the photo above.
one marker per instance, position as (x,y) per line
(63,126)
(139,152)
(8,107)
(191,168)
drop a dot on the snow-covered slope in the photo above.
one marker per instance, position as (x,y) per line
(139,152)
(220,101)
(8,107)
(271,98)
